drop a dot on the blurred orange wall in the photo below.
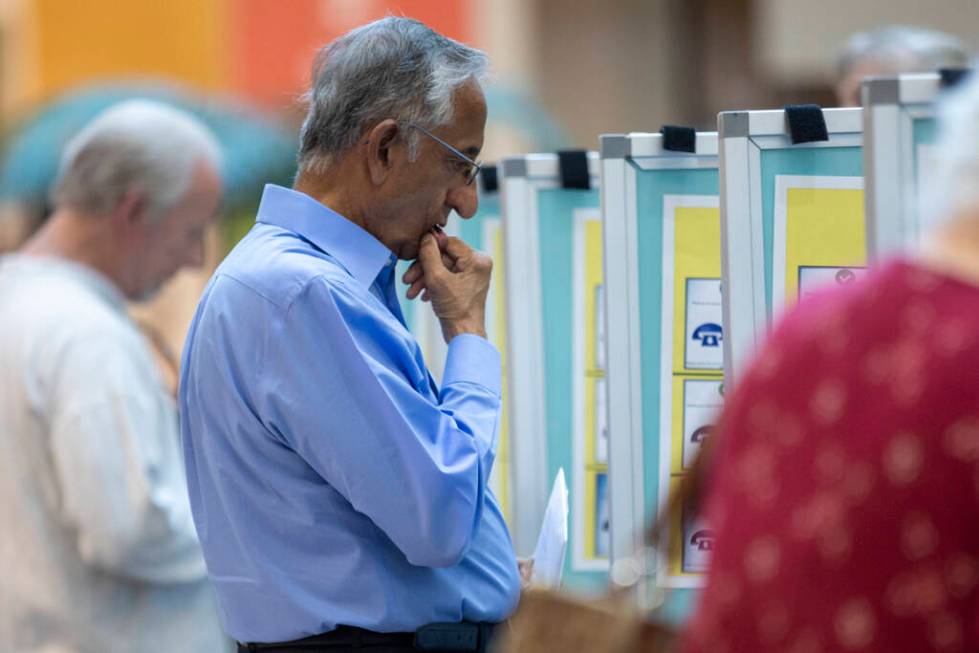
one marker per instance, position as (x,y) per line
(81,41)
(274,42)
(261,49)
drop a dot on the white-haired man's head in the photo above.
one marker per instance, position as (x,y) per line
(894,50)
(136,144)
(146,177)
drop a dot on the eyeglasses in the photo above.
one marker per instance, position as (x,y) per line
(472,167)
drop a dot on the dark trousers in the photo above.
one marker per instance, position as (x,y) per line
(438,638)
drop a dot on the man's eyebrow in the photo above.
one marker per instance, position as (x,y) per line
(472,152)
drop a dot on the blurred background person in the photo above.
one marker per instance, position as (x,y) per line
(255,147)
(844,486)
(99,549)
(894,50)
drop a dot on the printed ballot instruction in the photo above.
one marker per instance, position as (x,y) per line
(691,374)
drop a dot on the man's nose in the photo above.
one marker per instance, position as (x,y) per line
(464,200)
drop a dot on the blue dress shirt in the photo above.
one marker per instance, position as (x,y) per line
(332,482)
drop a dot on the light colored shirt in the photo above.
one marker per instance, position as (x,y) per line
(332,482)
(98,550)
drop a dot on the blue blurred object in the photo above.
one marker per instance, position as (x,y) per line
(256,147)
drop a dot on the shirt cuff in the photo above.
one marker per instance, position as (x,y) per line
(472,359)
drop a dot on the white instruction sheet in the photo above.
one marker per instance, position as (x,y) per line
(553,539)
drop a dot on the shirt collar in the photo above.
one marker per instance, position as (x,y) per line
(360,253)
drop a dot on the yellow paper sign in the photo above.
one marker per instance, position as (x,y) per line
(496,302)
(691,381)
(696,289)
(595,411)
(820,220)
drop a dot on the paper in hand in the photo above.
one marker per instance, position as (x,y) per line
(553,539)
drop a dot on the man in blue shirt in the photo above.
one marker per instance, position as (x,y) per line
(341,497)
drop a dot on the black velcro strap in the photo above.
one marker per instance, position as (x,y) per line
(573,165)
(488,179)
(679,139)
(953,76)
(806,123)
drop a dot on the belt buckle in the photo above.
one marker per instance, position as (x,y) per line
(447,636)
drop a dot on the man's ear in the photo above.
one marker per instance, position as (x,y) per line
(131,212)
(381,140)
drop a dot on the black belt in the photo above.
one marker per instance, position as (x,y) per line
(465,636)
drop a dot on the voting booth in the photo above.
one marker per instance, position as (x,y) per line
(792,215)
(665,336)
(556,361)
(899,130)
(483,231)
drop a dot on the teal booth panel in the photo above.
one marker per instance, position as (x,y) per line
(484,232)
(555,318)
(652,186)
(556,225)
(792,216)
(801,161)
(661,220)
(421,321)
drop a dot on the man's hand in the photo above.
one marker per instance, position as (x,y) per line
(526,568)
(455,278)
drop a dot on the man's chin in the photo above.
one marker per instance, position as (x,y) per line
(409,251)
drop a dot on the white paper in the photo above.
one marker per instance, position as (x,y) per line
(702,402)
(601,421)
(600,344)
(705,338)
(603,537)
(698,544)
(553,539)
(927,167)
(813,279)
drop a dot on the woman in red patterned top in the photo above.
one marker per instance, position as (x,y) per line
(844,486)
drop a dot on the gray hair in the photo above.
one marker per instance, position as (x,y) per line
(392,68)
(903,49)
(137,145)
(954,185)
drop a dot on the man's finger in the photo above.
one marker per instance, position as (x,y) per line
(440,236)
(415,288)
(413,273)
(429,255)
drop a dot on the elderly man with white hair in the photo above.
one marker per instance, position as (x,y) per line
(342,496)
(99,551)
(894,50)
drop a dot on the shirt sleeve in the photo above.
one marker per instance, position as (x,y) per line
(116,456)
(416,465)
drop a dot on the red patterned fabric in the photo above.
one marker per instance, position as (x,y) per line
(845,486)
